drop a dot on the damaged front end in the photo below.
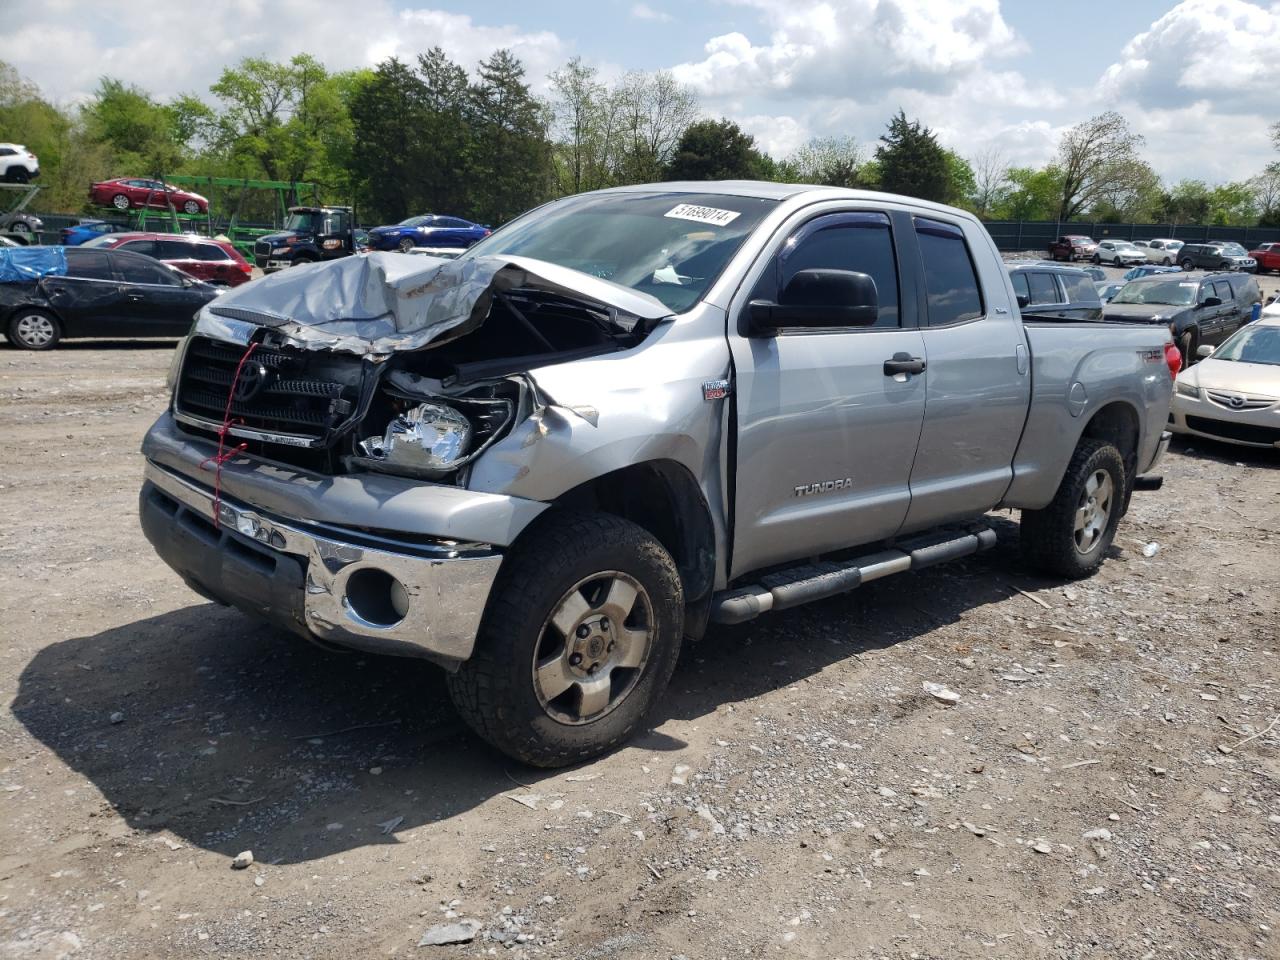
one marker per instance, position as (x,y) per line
(409,368)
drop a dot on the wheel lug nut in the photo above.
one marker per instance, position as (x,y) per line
(575,660)
(612,645)
(583,631)
(593,668)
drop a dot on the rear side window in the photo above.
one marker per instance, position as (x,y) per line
(173,250)
(1020,285)
(949,277)
(1247,290)
(89,265)
(145,247)
(861,242)
(1079,289)
(1043,289)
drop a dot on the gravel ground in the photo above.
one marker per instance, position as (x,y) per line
(1108,784)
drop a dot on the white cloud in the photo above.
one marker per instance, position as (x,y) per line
(66,47)
(642,11)
(1220,51)
(854,49)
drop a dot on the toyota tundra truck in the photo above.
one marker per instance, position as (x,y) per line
(626,415)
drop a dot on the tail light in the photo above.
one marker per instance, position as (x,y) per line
(1173,358)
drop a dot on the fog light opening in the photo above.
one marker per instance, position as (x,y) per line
(377,597)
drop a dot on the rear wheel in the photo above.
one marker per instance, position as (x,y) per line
(1070,536)
(120,201)
(34,330)
(579,641)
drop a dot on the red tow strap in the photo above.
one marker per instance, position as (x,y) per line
(220,457)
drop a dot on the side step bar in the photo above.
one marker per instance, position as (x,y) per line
(817,581)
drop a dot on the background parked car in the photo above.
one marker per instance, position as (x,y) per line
(1147,270)
(214,261)
(1216,255)
(429,230)
(1197,310)
(1118,253)
(1163,251)
(1267,256)
(23,227)
(1108,289)
(17,163)
(1072,246)
(86,230)
(127,193)
(95,293)
(1055,292)
(1234,394)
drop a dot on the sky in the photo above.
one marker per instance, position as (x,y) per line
(1197,78)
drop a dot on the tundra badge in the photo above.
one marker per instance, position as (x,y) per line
(827,486)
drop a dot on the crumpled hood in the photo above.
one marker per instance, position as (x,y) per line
(380,303)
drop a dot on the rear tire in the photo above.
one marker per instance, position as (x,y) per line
(1070,537)
(32,329)
(523,691)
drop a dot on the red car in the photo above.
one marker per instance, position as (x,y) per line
(214,261)
(1073,246)
(127,193)
(1267,255)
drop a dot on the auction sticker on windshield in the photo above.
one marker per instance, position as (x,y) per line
(712,215)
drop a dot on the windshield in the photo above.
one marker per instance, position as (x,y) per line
(668,245)
(1252,344)
(1234,250)
(303,222)
(1178,293)
(416,221)
(1124,245)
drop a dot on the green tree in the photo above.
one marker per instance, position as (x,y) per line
(445,156)
(387,113)
(1032,194)
(581,114)
(649,113)
(714,150)
(912,162)
(511,159)
(1231,204)
(1187,202)
(826,161)
(143,136)
(964,182)
(1097,158)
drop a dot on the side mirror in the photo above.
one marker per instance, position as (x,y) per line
(1204,350)
(818,298)
(1023,301)
(1212,302)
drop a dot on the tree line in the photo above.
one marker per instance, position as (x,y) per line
(429,136)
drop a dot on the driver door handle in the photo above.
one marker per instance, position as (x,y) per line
(903,363)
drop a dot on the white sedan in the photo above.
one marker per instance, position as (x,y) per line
(1118,252)
(1162,251)
(1233,394)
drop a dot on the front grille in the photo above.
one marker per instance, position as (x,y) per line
(262,248)
(297,393)
(1244,402)
(1245,432)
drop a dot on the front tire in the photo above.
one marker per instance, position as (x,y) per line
(1167,262)
(1097,260)
(18,175)
(1070,537)
(34,330)
(579,640)
(1188,265)
(120,201)
(191,207)
(405,245)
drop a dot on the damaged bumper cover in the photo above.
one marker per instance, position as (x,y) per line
(311,554)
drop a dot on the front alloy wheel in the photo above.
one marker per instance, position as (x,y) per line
(406,244)
(120,201)
(593,648)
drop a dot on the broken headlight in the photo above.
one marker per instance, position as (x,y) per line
(427,440)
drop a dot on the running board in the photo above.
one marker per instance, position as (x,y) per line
(817,581)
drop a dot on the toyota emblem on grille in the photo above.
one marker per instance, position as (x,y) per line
(1236,401)
(253,377)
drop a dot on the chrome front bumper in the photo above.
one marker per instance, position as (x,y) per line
(416,598)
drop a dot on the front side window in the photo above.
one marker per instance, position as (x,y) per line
(950,279)
(137,270)
(1222,290)
(858,242)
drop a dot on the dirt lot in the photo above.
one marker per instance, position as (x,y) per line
(799,794)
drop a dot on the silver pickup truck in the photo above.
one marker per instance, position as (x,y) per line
(625,415)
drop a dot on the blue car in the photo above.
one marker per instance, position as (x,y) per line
(430,230)
(1149,269)
(88,229)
